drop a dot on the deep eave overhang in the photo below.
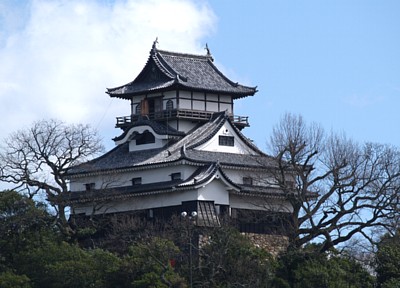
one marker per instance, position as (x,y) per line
(177,87)
(165,63)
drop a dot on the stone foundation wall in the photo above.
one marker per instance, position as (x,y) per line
(274,244)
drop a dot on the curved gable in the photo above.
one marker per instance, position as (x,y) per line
(227,140)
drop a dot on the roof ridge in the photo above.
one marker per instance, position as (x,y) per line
(186,55)
(219,117)
(163,65)
(180,70)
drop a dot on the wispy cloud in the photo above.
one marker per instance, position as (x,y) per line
(58,59)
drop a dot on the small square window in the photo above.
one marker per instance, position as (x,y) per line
(89,186)
(247,181)
(176,176)
(137,181)
(226,140)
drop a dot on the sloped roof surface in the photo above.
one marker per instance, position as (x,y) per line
(158,127)
(166,70)
(200,176)
(121,158)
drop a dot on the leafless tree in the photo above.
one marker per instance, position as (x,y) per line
(341,189)
(35,159)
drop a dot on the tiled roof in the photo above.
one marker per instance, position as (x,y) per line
(158,127)
(166,70)
(121,158)
(198,178)
(231,159)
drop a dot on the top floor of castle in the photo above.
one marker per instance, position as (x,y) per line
(180,90)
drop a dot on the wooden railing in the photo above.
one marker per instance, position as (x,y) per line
(124,121)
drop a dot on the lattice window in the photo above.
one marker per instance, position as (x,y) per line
(169,105)
(226,141)
(138,109)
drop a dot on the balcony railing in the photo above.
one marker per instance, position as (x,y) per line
(125,121)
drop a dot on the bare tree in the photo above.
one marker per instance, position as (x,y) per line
(342,189)
(35,159)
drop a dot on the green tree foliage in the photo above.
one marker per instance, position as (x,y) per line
(388,261)
(149,264)
(33,253)
(308,268)
(59,264)
(228,259)
(24,225)
(11,280)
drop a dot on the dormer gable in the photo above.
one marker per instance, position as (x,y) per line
(227,139)
(147,135)
(143,138)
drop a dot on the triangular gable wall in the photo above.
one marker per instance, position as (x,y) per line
(227,131)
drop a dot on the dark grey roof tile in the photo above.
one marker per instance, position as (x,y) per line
(166,70)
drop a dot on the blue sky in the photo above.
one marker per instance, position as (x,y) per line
(334,62)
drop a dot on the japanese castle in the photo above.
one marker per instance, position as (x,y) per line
(181,149)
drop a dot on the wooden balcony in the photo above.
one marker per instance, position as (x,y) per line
(195,115)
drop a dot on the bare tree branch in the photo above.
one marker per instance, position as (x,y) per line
(357,186)
(35,159)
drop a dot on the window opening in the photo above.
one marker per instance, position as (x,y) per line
(145,138)
(169,105)
(137,181)
(226,140)
(247,181)
(138,109)
(176,176)
(89,186)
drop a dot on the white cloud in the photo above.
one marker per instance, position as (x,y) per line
(58,60)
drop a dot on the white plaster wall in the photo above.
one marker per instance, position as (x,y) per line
(224,107)
(212,97)
(124,178)
(99,181)
(139,203)
(152,95)
(212,106)
(199,105)
(186,126)
(185,104)
(170,95)
(226,130)
(198,96)
(157,144)
(225,98)
(260,178)
(215,191)
(185,94)
(140,130)
(258,203)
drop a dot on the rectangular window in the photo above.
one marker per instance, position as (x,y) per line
(137,181)
(247,181)
(176,176)
(89,186)
(226,141)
